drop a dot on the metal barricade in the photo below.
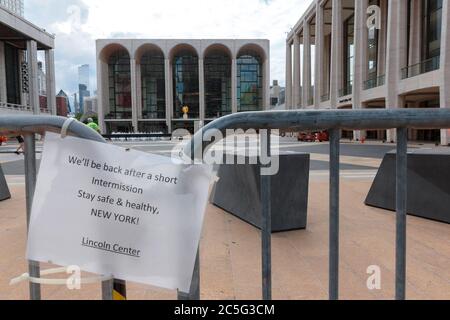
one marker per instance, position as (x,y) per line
(334,121)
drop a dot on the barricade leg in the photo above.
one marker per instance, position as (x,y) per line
(335,136)
(401,194)
(30,186)
(266,230)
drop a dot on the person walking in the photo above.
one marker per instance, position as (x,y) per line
(21,145)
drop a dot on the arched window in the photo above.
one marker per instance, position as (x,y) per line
(249,81)
(153,85)
(119,85)
(217,84)
(185,83)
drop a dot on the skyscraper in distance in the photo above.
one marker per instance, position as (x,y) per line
(83,85)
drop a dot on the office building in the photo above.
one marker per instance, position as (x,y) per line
(90,105)
(20,41)
(83,86)
(62,104)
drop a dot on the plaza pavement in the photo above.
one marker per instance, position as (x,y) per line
(230,248)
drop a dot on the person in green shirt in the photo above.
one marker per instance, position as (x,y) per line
(91,124)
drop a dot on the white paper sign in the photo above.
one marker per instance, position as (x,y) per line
(110,211)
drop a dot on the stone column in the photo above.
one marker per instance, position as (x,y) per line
(445,66)
(3,93)
(139,89)
(319,56)
(296,88)
(134,109)
(169,94)
(50,80)
(396,55)
(336,53)
(326,65)
(306,64)
(360,67)
(415,34)
(102,93)
(234,84)
(32,70)
(289,104)
(201,87)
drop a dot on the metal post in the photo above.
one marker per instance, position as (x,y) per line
(30,186)
(107,290)
(266,225)
(194,294)
(335,136)
(402,187)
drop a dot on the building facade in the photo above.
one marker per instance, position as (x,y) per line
(144,85)
(90,105)
(62,104)
(20,74)
(277,94)
(42,79)
(15,6)
(358,54)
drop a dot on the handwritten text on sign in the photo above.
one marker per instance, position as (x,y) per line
(128,214)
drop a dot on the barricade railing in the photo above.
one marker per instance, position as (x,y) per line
(333,121)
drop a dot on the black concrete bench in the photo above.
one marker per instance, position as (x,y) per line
(428,184)
(4,190)
(238,192)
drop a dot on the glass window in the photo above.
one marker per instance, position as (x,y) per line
(373,36)
(153,85)
(12,67)
(349,32)
(217,84)
(432,28)
(186,84)
(120,86)
(249,81)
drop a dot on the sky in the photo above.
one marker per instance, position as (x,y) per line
(78,23)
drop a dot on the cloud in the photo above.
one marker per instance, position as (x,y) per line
(77,23)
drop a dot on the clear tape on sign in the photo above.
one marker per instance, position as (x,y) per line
(56,282)
(66,126)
